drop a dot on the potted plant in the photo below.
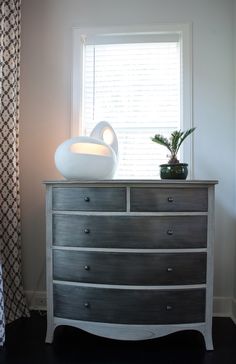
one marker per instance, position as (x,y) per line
(173,169)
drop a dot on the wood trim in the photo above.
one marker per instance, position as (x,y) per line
(131,250)
(210,262)
(50,326)
(128,332)
(117,286)
(119,182)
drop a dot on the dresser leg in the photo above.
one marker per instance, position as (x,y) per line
(49,335)
(208,342)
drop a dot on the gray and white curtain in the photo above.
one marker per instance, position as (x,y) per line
(10,231)
(2,319)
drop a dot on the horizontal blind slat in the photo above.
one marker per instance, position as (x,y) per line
(136,88)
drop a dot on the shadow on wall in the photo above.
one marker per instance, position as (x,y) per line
(225,226)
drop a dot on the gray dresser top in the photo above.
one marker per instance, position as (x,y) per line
(133,182)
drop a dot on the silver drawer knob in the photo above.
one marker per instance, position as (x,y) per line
(169,308)
(86,304)
(86,199)
(170,232)
(169,269)
(86,267)
(170,199)
(86,231)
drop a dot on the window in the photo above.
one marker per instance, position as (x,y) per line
(139,82)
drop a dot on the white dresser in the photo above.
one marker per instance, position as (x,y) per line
(130,260)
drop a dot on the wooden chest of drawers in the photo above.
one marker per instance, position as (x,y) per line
(130,260)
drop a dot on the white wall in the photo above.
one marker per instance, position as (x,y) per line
(234,49)
(45,107)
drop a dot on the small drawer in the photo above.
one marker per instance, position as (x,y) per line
(130,231)
(129,268)
(89,198)
(129,306)
(169,199)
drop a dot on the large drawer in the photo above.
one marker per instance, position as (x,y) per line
(129,306)
(89,198)
(129,268)
(168,199)
(130,231)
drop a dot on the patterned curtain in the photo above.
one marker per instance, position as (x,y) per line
(10,234)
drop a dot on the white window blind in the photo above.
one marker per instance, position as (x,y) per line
(136,87)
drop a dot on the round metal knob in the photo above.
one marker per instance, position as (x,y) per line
(168,307)
(87,231)
(86,199)
(170,199)
(170,232)
(86,267)
(169,269)
(86,304)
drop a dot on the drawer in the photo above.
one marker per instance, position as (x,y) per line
(130,231)
(129,306)
(168,199)
(89,198)
(129,268)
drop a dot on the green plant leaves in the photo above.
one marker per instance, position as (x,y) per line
(174,142)
(162,141)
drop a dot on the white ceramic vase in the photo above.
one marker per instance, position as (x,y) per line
(85,158)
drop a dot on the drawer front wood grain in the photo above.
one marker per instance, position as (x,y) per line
(169,199)
(129,268)
(126,306)
(89,199)
(130,231)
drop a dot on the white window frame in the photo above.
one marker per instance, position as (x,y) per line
(185,33)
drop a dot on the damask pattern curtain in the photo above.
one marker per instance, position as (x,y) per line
(10,232)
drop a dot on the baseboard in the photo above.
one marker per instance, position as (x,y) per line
(36,300)
(234,310)
(222,306)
